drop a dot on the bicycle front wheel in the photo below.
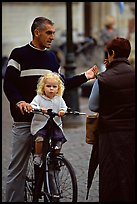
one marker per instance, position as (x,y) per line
(61,180)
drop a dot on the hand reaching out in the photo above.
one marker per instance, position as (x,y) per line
(92,72)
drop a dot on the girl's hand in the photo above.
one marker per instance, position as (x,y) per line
(44,110)
(61,113)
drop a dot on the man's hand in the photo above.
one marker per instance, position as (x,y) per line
(92,72)
(24,107)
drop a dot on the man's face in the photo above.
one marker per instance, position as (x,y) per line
(45,36)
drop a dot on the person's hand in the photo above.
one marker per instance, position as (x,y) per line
(61,113)
(44,110)
(92,72)
(24,107)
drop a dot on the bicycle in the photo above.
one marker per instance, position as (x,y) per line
(55,179)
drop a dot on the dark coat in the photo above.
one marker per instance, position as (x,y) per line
(115,149)
(117,133)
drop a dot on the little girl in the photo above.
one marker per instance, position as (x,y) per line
(50,89)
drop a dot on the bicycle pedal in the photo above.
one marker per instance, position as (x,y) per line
(41,194)
(56,196)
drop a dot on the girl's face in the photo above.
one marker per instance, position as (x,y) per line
(51,88)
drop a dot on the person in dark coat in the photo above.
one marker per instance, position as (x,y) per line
(113,96)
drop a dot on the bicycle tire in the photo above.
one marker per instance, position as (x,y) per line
(34,192)
(30,181)
(65,188)
(61,180)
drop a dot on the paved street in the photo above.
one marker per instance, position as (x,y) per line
(75,149)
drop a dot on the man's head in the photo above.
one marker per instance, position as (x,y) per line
(43,31)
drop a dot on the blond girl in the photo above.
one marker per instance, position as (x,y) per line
(50,89)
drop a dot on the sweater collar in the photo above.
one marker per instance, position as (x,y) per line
(31,45)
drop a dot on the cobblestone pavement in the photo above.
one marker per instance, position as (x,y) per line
(75,149)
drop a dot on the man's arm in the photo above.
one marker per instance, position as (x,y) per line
(10,85)
(78,80)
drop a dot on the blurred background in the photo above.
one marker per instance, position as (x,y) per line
(79,23)
(87,21)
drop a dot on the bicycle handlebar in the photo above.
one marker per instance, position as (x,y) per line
(70,112)
(53,114)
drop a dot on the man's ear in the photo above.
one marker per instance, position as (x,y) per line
(36,31)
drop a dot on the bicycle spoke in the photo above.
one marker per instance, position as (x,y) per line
(65,184)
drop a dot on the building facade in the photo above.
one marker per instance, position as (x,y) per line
(87,18)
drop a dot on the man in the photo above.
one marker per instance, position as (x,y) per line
(26,64)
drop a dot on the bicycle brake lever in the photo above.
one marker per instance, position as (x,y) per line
(79,113)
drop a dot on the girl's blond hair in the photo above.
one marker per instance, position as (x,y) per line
(43,79)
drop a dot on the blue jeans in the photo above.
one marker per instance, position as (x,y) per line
(21,147)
